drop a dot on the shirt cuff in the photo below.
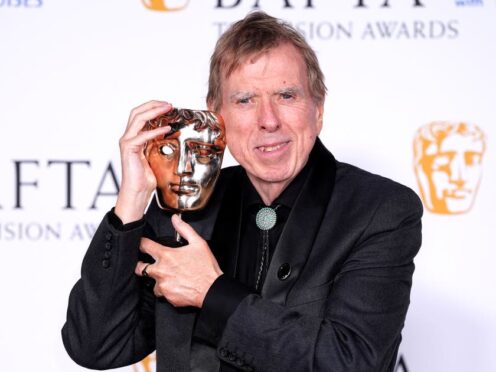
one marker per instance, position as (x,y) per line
(221,301)
(117,224)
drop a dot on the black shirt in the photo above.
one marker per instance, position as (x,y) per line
(251,242)
(227,292)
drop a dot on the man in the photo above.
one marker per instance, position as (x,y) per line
(324,288)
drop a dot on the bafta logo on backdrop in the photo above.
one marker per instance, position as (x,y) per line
(165,5)
(448,165)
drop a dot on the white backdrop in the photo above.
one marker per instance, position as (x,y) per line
(70,71)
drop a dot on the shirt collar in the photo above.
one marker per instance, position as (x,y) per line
(286,198)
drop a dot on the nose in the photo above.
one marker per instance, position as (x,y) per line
(184,164)
(458,171)
(268,117)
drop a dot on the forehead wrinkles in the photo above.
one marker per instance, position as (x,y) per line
(281,72)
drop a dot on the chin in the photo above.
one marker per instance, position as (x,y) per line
(276,177)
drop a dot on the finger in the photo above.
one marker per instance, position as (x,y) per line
(185,230)
(150,247)
(143,137)
(144,269)
(139,120)
(145,107)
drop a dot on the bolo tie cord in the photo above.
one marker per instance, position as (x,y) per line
(266,219)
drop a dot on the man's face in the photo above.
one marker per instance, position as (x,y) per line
(186,165)
(452,171)
(271,118)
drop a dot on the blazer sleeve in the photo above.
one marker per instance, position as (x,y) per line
(110,316)
(360,328)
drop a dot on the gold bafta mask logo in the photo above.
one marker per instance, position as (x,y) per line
(448,165)
(165,5)
(146,365)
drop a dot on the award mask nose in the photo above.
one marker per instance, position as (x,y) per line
(184,164)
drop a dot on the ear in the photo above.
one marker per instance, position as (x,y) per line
(210,106)
(319,116)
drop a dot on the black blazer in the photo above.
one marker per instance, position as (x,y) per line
(349,243)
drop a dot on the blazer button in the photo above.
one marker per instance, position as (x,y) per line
(284,271)
(223,352)
(106,264)
(108,236)
(108,246)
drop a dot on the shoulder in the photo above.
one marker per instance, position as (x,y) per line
(350,182)
(363,190)
(360,181)
(379,212)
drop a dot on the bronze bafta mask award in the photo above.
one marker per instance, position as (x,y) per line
(187,160)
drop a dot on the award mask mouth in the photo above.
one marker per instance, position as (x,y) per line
(187,189)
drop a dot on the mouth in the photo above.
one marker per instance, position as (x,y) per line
(458,194)
(272,148)
(184,189)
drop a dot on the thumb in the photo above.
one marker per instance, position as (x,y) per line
(184,229)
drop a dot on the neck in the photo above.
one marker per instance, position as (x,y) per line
(268,191)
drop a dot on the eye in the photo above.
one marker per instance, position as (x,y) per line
(441,162)
(287,95)
(203,153)
(472,158)
(166,149)
(243,99)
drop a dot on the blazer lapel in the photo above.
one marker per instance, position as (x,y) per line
(226,235)
(302,226)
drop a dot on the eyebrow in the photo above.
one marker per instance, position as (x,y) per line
(239,94)
(291,90)
(245,94)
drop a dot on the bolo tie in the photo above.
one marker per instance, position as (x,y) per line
(265,219)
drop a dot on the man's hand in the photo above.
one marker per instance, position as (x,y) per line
(182,275)
(138,180)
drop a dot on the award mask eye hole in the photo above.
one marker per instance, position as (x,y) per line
(166,150)
(204,154)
